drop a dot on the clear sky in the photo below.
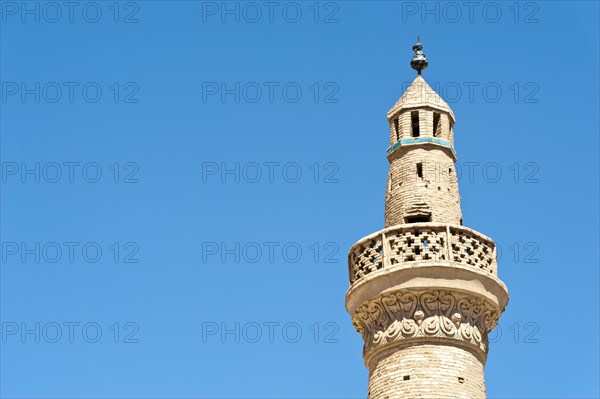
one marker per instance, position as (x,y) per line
(182,181)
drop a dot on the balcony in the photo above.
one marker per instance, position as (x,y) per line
(415,244)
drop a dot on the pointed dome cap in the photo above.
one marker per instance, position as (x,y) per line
(420,95)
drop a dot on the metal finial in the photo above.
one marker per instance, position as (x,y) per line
(419,61)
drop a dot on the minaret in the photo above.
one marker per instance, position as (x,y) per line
(424,291)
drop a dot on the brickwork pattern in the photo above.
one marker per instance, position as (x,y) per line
(400,125)
(427,371)
(424,290)
(428,190)
(419,95)
(467,247)
(421,242)
(418,244)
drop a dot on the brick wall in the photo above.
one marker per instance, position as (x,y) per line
(435,193)
(429,372)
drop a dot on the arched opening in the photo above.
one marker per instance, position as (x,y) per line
(414,118)
(437,126)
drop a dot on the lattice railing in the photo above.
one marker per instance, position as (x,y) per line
(366,256)
(421,242)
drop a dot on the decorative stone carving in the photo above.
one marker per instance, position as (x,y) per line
(406,315)
(421,242)
(424,291)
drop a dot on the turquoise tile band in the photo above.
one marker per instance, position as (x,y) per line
(420,140)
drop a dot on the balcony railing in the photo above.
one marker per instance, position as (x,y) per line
(421,242)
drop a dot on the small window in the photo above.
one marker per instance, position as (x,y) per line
(420,170)
(461,380)
(417,219)
(414,117)
(461,221)
(406,377)
(397,128)
(437,128)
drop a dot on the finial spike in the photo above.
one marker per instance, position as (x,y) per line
(419,61)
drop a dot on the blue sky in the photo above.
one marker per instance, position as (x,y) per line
(181,183)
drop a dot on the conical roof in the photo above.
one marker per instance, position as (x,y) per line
(419,95)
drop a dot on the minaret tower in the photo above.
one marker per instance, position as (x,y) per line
(424,291)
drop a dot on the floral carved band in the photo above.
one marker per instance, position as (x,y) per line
(408,316)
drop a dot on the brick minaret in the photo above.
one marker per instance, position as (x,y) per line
(424,291)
